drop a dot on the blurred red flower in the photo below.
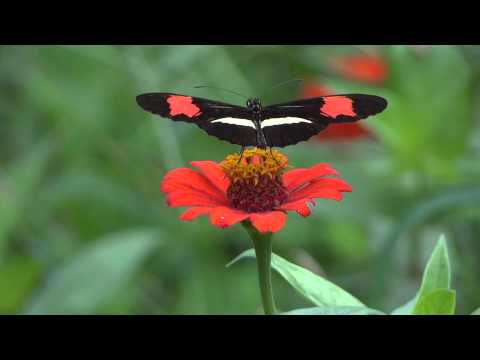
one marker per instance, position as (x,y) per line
(311,90)
(346,131)
(250,187)
(364,68)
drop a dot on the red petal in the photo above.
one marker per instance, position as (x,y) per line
(320,193)
(318,187)
(295,178)
(272,221)
(188,180)
(194,212)
(191,198)
(223,217)
(301,207)
(213,172)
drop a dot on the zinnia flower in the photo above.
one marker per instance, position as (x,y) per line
(250,187)
(335,132)
(364,68)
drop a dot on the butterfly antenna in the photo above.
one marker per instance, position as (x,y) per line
(281,84)
(219,88)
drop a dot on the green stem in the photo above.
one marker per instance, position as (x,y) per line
(263,254)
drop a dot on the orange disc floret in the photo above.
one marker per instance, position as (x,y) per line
(254,164)
(256,181)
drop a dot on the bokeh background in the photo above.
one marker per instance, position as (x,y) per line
(84,228)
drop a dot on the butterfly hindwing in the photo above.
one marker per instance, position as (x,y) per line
(227,122)
(292,122)
(281,124)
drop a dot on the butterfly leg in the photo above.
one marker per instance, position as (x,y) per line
(241,154)
(273,157)
(269,147)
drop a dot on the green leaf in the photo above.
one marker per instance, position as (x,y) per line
(18,277)
(435,276)
(416,216)
(407,308)
(437,302)
(319,291)
(476,312)
(18,183)
(437,272)
(84,283)
(336,310)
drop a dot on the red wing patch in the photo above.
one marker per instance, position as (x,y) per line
(337,105)
(182,105)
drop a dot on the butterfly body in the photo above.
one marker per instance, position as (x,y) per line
(271,126)
(255,106)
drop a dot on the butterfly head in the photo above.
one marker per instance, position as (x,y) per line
(254,105)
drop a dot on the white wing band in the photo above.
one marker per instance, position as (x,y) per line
(264,123)
(235,121)
(283,121)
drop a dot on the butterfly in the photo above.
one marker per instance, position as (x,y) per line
(276,125)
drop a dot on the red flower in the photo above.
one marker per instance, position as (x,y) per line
(311,90)
(253,188)
(335,132)
(363,68)
(347,131)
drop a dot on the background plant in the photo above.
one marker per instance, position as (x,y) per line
(81,164)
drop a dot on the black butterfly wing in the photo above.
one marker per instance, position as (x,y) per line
(227,122)
(292,122)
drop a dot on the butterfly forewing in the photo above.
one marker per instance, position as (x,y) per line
(292,122)
(227,122)
(279,125)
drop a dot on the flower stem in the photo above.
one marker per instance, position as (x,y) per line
(263,254)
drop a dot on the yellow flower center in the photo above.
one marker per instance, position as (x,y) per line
(254,164)
(256,181)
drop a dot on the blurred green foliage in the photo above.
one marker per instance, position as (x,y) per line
(84,228)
